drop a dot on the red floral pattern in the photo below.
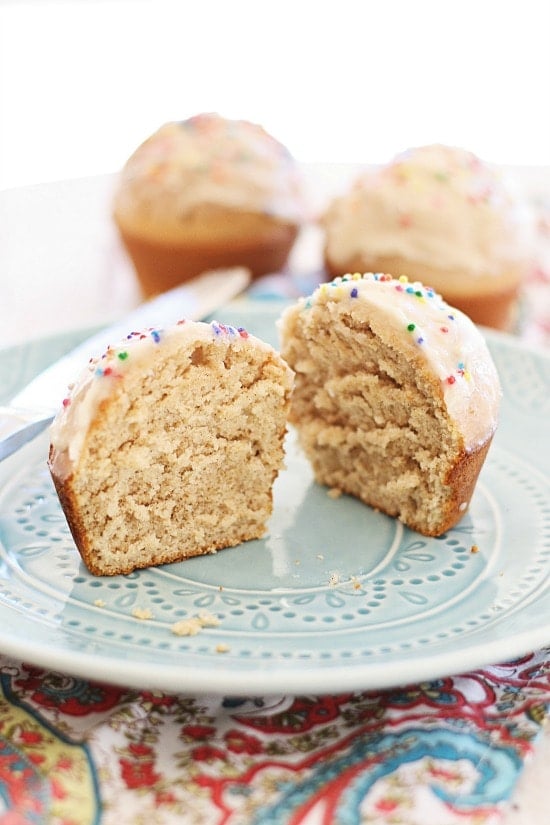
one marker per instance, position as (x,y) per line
(166,758)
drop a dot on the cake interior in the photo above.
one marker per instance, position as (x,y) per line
(372,423)
(182,459)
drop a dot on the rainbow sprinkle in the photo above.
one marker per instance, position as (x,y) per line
(227,329)
(409,290)
(105,365)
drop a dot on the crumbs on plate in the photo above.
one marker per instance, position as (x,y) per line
(194,624)
(142,613)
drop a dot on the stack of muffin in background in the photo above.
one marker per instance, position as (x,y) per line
(210,192)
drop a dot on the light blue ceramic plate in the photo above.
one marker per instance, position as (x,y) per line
(336,597)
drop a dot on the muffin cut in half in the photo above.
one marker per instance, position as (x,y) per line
(396,396)
(168,446)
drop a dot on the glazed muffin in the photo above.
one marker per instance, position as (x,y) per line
(441,215)
(396,396)
(206,193)
(168,446)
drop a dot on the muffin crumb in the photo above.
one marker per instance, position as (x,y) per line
(194,624)
(142,613)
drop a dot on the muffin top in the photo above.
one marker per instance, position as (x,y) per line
(413,319)
(210,160)
(137,357)
(435,205)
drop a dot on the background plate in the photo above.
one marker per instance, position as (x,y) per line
(336,597)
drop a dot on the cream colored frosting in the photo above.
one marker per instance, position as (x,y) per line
(435,205)
(417,320)
(211,160)
(105,375)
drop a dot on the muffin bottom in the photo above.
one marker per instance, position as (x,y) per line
(164,263)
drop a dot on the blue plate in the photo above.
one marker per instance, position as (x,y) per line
(336,597)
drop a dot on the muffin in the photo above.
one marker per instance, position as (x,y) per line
(206,193)
(440,215)
(396,396)
(168,446)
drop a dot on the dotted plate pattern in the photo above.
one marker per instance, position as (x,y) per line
(335,591)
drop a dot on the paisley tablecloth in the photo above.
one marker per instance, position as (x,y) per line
(445,752)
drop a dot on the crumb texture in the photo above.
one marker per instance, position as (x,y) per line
(373,420)
(181,457)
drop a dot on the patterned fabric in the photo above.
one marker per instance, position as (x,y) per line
(449,751)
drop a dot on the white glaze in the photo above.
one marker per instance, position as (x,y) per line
(434,205)
(211,160)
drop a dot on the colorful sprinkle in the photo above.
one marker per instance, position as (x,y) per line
(155,335)
(66,402)
(450,379)
(444,329)
(123,355)
(411,327)
(354,293)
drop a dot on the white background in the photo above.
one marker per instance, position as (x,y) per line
(83,82)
